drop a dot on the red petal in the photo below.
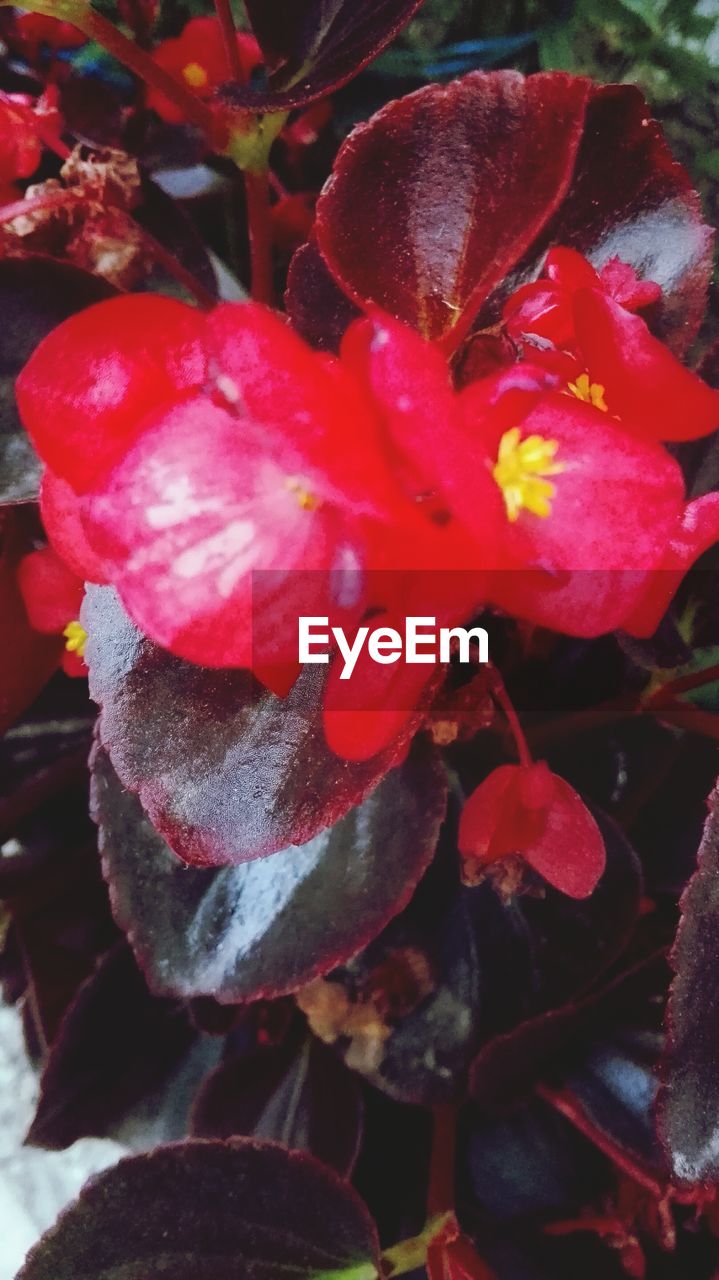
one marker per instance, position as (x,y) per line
(570,852)
(213,549)
(88,385)
(60,508)
(697,531)
(51,592)
(655,397)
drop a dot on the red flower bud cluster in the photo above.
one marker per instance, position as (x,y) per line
(227,479)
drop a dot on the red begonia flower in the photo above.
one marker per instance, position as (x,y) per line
(33,31)
(528,810)
(87,387)
(544,307)
(198,58)
(588,510)
(52,595)
(645,386)
(24,122)
(209,525)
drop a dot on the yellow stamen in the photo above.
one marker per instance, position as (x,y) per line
(306,500)
(589,392)
(195,75)
(75,638)
(520,472)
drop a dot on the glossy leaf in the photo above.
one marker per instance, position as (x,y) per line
(689,1100)
(311,48)
(449,197)
(269,926)
(435,199)
(115,1043)
(459,965)
(210,1211)
(255,778)
(300,1095)
(35,295)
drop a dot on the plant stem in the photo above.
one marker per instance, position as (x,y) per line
(499,693)
(96,27)
(682,684)
(176,269)
(257,192)
(223,9)
(440,1191)
(50,201)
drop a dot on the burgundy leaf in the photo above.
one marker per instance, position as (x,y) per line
(225,770)
(435,199)
(455,193)
(458,965)
(35,295)
(630,199)
(312,47)
(115,1043)
(689,1099)
(269,926)
(210,1211)
(299,1095)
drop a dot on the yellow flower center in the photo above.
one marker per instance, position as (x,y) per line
(589,392)
(521,470)
(306,500)
(195,75)
(75,638)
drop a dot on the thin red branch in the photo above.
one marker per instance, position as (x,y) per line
(440,1189)
(223,9)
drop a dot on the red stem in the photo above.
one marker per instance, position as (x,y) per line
(257,192)
(440,1189)
(223,9)
(55,200)
(175,268)
(683,684)
(502,698)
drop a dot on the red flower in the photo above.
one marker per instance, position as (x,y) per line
(544,308)
(198,57)
(619,366)
(33,31)
(52,595)
(527,810)
(24,123)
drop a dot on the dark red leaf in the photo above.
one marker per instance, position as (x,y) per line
(435,199)
(689,1099)
(225,770)
(455,192)
(210,1211)
(115,1043)
(459,965)
(299,1095)
(629,199)
(269,926)
(35,295)
(311,48)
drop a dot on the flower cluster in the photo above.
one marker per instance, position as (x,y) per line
(227,479)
